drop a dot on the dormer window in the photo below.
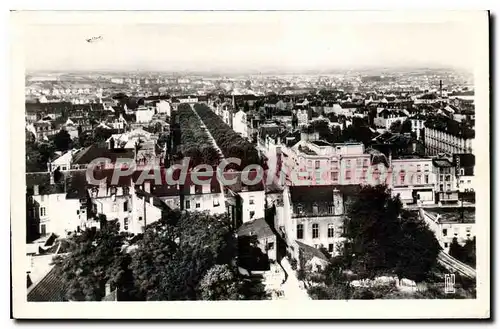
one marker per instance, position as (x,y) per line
(113,191)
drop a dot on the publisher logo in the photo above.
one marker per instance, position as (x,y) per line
(449,283)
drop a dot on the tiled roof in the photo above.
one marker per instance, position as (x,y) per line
(258,227)
(93,152)
(43,182)
(310,252)
(50,289)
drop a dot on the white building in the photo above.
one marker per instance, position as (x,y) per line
(413,179)
(144,114)
(240,123)
(446,227)
(386,118)
(164,107)
(417,124)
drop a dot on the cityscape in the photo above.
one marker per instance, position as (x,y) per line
(322,183)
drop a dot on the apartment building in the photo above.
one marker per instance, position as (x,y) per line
(444,135)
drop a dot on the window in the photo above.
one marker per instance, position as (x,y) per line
(468,229)
(445,232)
(115,207)
(188,204)
(216,202)
(335,176)
(365,162)
(270,246)
(125,190)
(402,176)
(309,163)
(63,168)
(43,229)
(198,205)
(334,163)
(78,212)
(419,179)
(252,213)
(462,171)
(331,230)
(330,209)
(42,197)
(468,181)
(125,224)
(348,163)
(43,212)
(418,167)
(299,208)
(348,175)
(251,201)
(112,190)
(363,174)
(140,218)
(300,231)
(125,206)
(315,231)
(317,164)
(330,247)
(426,179)
(446,244)
(359,162)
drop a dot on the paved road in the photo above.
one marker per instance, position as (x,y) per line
(291,287)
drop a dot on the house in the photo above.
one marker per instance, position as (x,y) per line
(417,124)
(314,216)
(386,118)
(52,206)
(446,187)
(464,170)
(124,201)
(245,201)
(64,161)
(208,196)
(264,236)
(239,123)
(450,223)
(413,179)
(163,106)
(144,114)
(310,258)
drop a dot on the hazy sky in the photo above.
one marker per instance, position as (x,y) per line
(287,44)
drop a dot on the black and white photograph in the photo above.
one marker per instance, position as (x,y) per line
(282,158)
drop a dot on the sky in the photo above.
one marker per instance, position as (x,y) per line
(279,43)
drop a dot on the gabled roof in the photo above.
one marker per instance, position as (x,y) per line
(310,252)
(257,227)
(87,155)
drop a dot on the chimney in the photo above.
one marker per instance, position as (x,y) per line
(36,190)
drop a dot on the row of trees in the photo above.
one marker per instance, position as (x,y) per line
(231,144)
(195,142)
(184,256)
(382,239)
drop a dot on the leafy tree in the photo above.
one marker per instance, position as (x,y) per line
(396,126)
(219,284)
(94,259)
(62,141)
(383,239)
(406,127)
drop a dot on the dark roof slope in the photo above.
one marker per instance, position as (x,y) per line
(258,227)
(309,252)
(50,289)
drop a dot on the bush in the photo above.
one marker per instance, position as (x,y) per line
(293,264)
